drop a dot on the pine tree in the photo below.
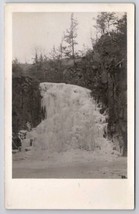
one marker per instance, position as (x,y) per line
(70,38)
(104,22)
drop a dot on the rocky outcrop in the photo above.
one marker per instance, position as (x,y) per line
(26,105)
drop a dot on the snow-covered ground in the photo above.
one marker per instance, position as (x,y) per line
(70,138)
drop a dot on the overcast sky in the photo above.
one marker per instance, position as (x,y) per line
(44,30)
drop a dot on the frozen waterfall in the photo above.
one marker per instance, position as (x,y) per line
(71,120)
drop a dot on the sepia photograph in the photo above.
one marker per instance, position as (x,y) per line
(69,105)
(69,95)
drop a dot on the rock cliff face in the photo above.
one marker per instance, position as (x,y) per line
(71,120)
(26,105)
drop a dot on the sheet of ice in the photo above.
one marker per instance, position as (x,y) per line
(72,121)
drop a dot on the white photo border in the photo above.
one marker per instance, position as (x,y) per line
(68,193)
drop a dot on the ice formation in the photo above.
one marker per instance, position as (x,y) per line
(71,121)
